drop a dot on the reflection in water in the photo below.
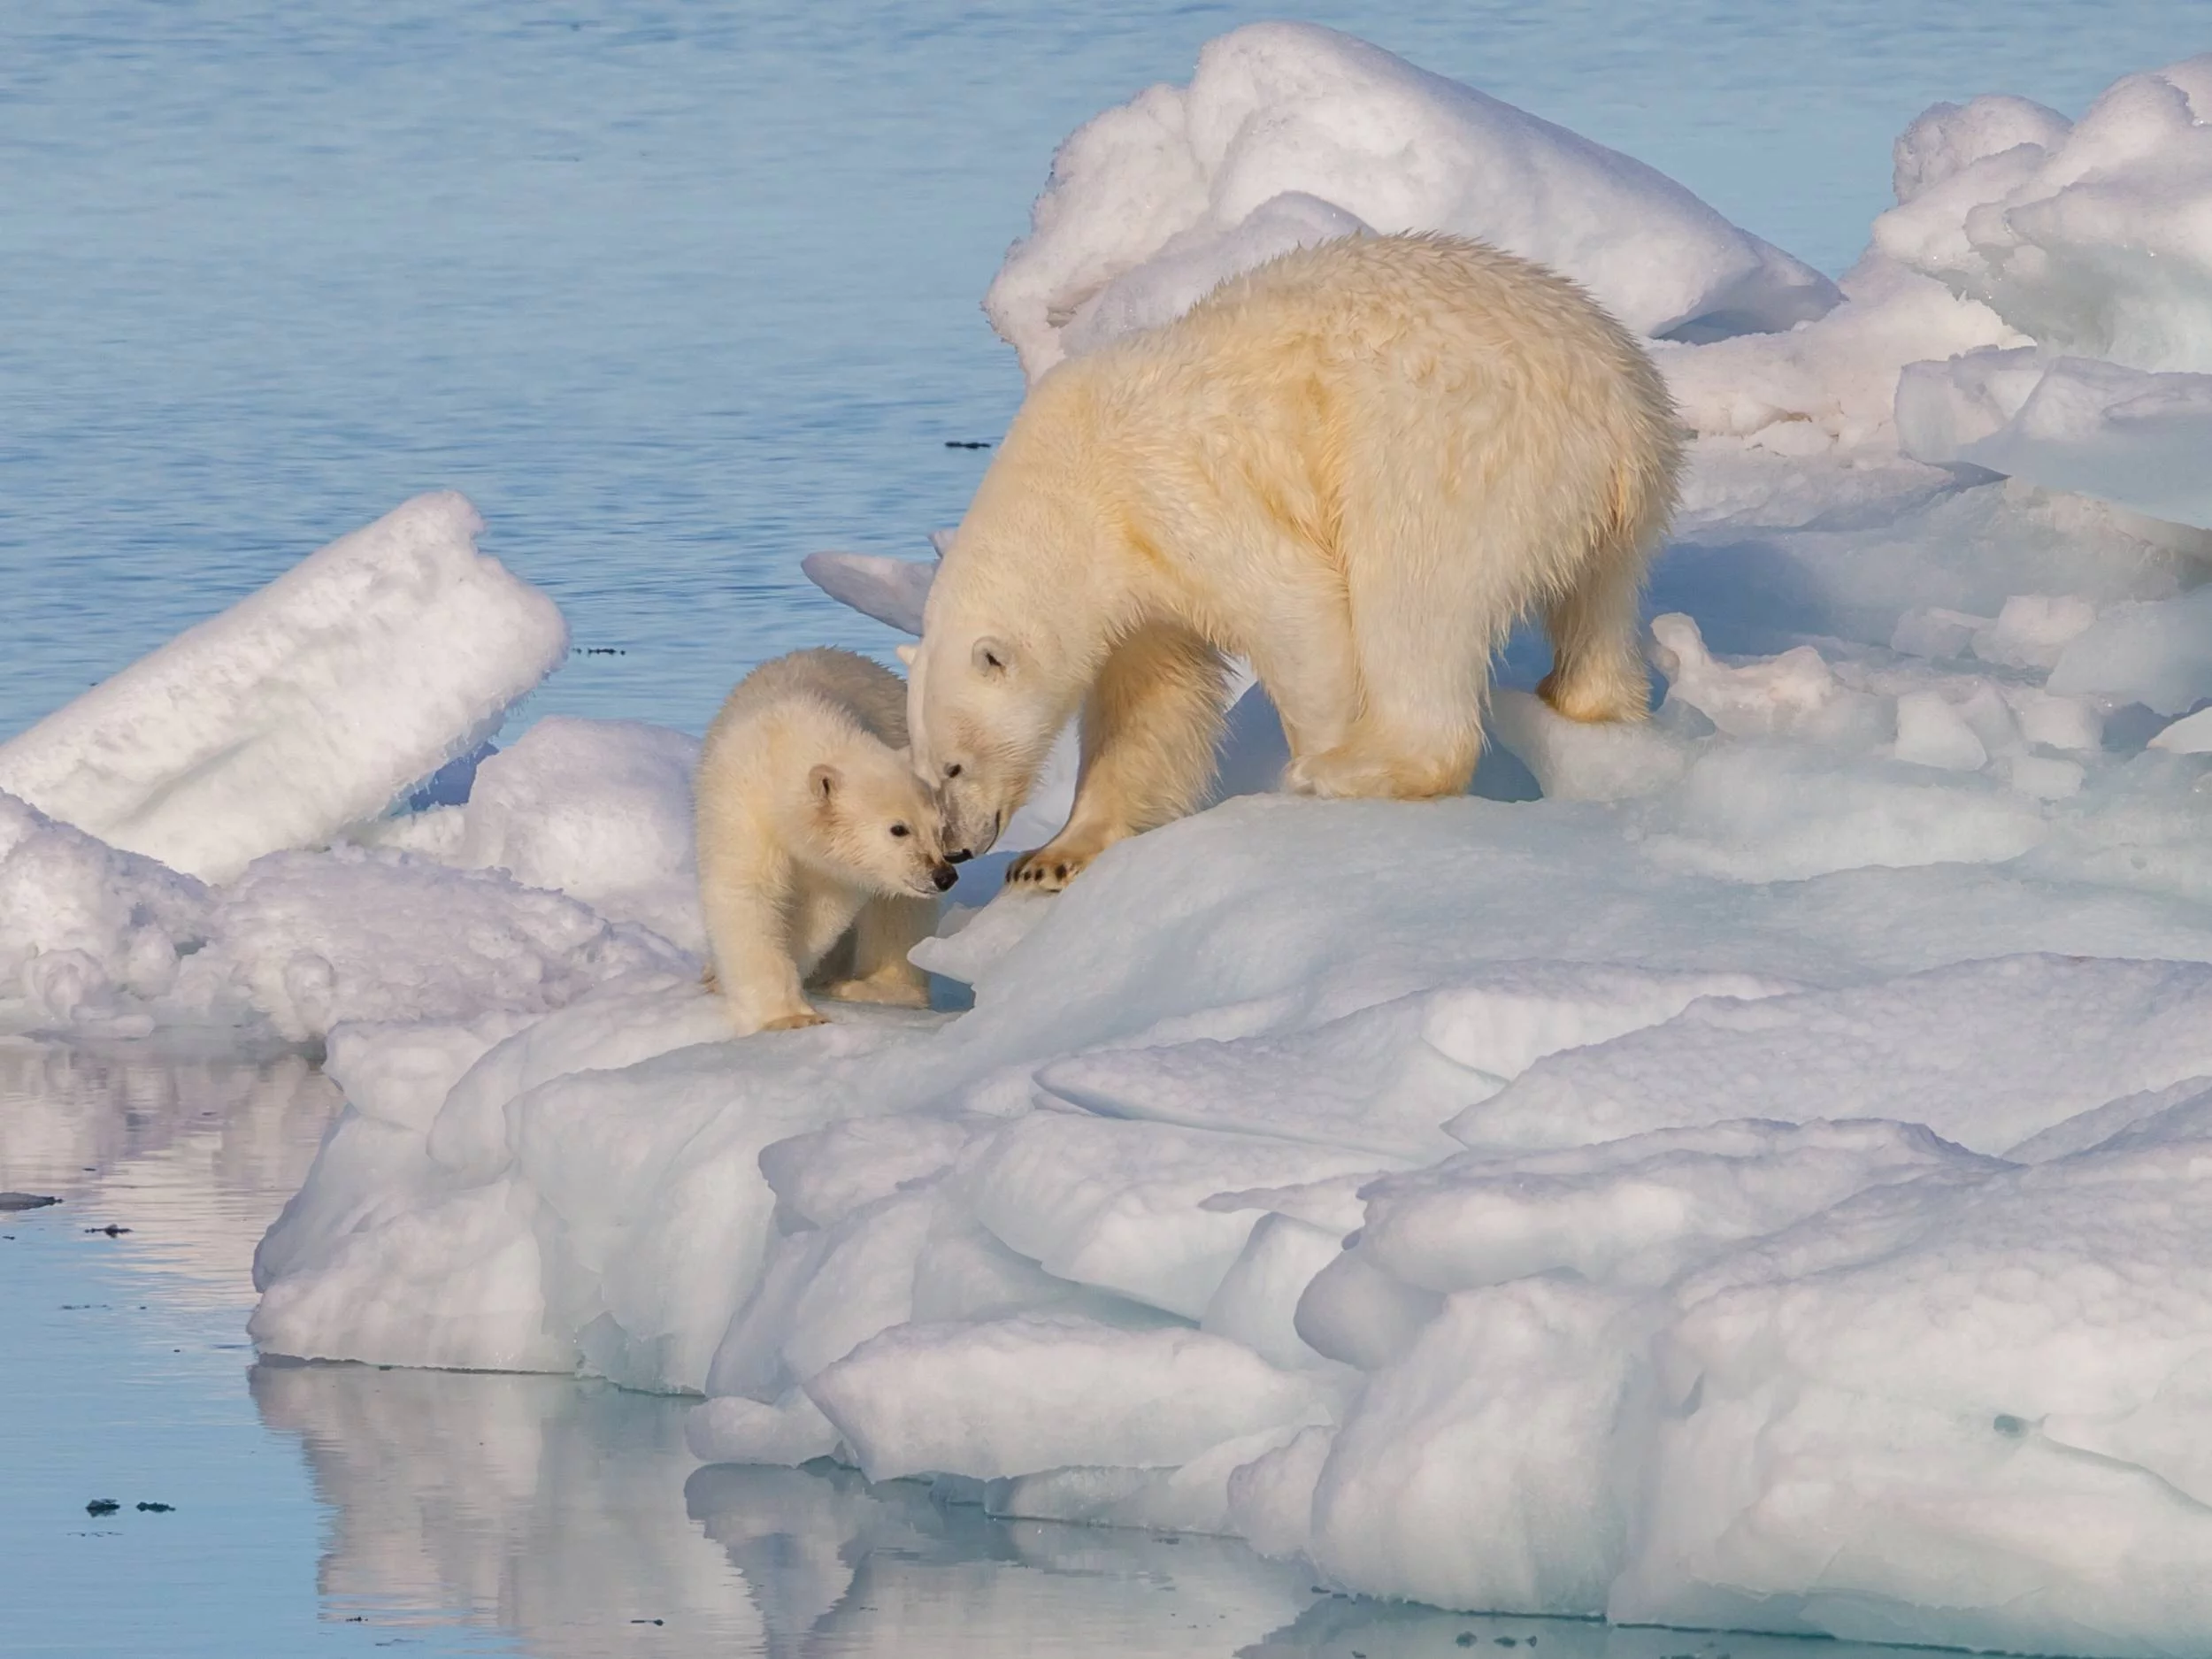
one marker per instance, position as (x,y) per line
(194,1153)
(839,1567)
(551,1507)
(567,1512)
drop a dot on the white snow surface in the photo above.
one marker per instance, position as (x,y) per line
(1898,1166)
(1766,1181)
(2080,424)
(2038,304)
(2093,238)
(306,707)
(1290,134)
(599,810)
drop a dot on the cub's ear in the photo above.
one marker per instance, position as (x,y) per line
(908,653)
(992,655)
(823,783)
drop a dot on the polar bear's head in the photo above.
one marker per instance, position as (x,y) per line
(982,718)
(869,821)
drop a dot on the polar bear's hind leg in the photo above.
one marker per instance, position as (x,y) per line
(1596,636)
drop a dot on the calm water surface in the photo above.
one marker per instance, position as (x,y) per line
(676,293)
(680,293)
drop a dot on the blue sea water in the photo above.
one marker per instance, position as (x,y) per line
(676,293)
(679,293)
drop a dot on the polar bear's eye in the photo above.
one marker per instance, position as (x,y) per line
(953,771)
(900,829)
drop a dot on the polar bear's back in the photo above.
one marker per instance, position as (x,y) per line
(1339,386)
(841,685)
(1426,304)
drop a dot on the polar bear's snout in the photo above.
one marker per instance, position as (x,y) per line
(968,829)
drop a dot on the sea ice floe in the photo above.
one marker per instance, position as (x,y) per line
(1288,133)
(308,706)
(1762,1182)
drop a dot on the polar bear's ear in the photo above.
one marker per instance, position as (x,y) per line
(908,653)
(992,657)
(823,782)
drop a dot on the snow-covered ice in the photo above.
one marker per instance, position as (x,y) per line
(2081,423)
(599,810)
(888,589)
(1290,134)
(311,705)
(2092,237)
(1766,1181)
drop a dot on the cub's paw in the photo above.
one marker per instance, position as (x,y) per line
(901,991)
(795,1022)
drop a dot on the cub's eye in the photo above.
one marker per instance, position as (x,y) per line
(953,771)
(900,829)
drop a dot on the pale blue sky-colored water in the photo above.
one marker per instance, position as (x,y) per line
(676,293)
(680,293)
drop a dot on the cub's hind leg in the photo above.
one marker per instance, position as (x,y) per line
(886,929)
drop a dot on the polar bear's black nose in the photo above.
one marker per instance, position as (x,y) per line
(944,876)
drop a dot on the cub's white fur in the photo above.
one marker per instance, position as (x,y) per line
(1356,466)
(813,826)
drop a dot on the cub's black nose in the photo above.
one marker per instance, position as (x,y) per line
(960,857)
(944,876)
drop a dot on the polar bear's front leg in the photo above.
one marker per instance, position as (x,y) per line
(886,930)
(748,935)
(1149,728)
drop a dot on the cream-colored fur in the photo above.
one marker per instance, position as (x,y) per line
(815,841)
(1358,466)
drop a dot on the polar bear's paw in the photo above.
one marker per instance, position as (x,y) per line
(1051,867)
(1594,697)
(1348,773)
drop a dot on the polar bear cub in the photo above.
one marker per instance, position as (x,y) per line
(813,827)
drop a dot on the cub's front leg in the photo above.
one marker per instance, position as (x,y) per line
(748,942)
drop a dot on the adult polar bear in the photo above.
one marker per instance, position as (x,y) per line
(1356,466)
